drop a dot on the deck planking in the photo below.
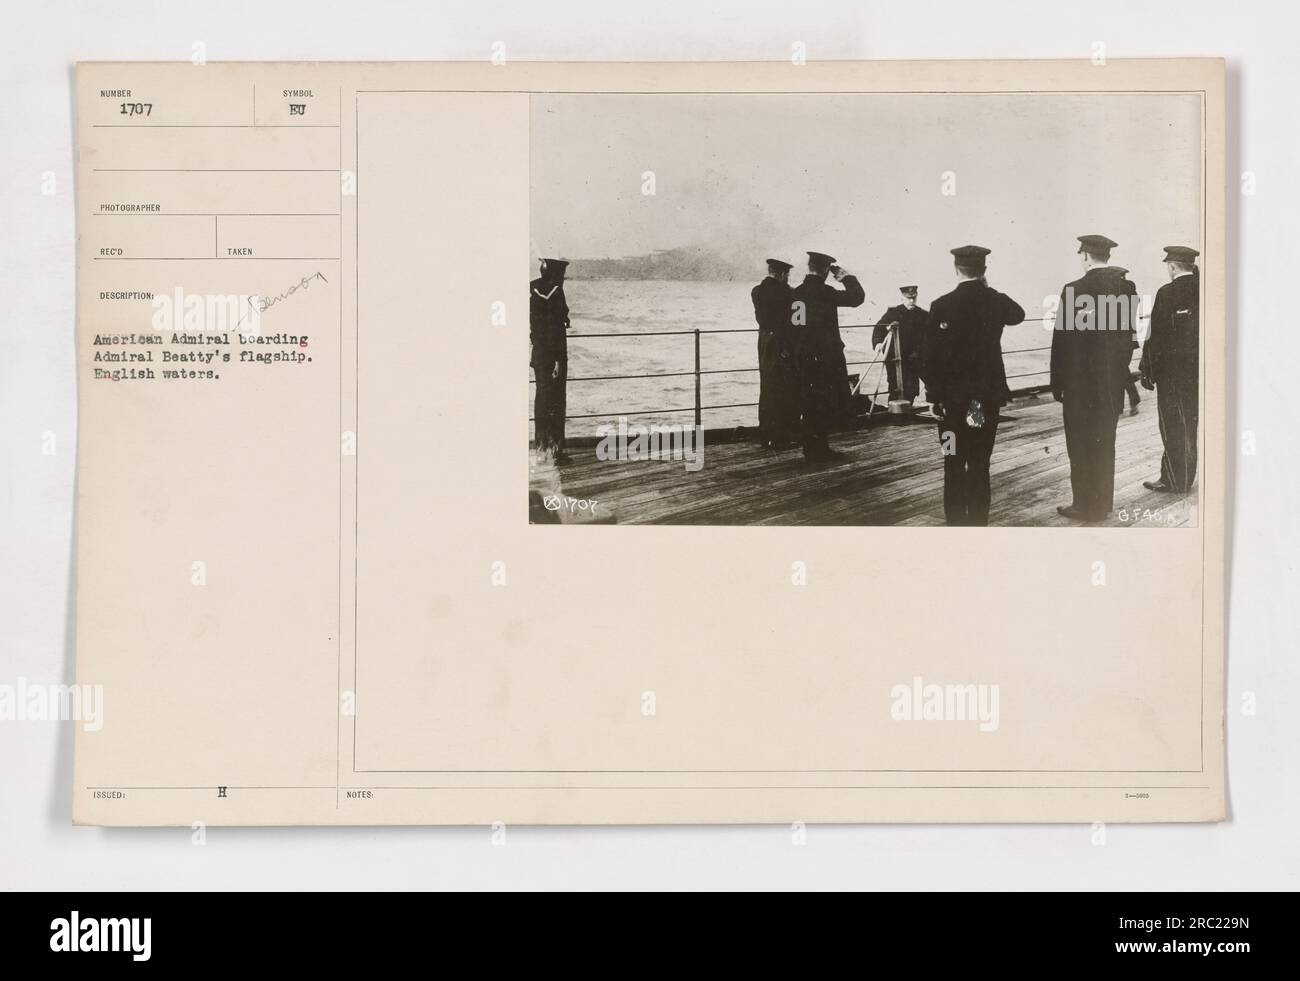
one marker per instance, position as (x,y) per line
(890,475)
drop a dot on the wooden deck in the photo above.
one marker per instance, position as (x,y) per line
(890,475)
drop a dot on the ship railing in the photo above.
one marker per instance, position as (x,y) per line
(698,371)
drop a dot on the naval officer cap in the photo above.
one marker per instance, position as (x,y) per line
(1096,244)
(907,290)
(970,255)
(821,259)
(555,265)
(1180,253)
(779,265)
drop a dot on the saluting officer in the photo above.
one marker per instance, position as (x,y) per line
(548,320)
(967,385)
(1170,365)
(1092,346)
(823,372)
(909,335)
(778,392)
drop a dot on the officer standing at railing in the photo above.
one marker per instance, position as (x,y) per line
(778,380)
(909,333)
(1092,346)
(548,319)
(823,371)
(1171,365)
(967,383)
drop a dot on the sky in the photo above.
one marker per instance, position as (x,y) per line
(862,177)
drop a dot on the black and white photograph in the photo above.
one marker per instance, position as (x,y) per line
(866,309)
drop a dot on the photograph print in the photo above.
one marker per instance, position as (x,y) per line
(866,309)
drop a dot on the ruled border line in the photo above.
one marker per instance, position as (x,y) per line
(1201,524)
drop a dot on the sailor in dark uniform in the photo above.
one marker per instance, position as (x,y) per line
(823,372)
(909,322)
(548,319)
(778,392)
(1130,387)
(1092,346)
(961,364)
(1171,365)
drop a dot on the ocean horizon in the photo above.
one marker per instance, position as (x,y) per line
(660,306)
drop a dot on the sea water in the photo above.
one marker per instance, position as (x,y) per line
(621,307)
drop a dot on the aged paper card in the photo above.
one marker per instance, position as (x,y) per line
(910,376)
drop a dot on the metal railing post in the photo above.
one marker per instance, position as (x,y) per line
(898,358)
(698,414)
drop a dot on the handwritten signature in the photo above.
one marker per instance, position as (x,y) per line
(260,304)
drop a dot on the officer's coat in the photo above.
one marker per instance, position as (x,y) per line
(1092,343)
(822,368)
(962,353)
(772,300)
(548,319)
(911,331)
(1172,351)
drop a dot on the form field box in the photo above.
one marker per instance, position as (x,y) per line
(279,237)
(214,148)
(152,236)
(224,192)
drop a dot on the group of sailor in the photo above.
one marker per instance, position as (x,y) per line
(955,348)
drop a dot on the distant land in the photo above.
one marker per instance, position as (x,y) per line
(684,263)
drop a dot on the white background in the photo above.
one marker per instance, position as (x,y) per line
(1256,848)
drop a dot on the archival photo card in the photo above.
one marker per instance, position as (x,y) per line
(378,364)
